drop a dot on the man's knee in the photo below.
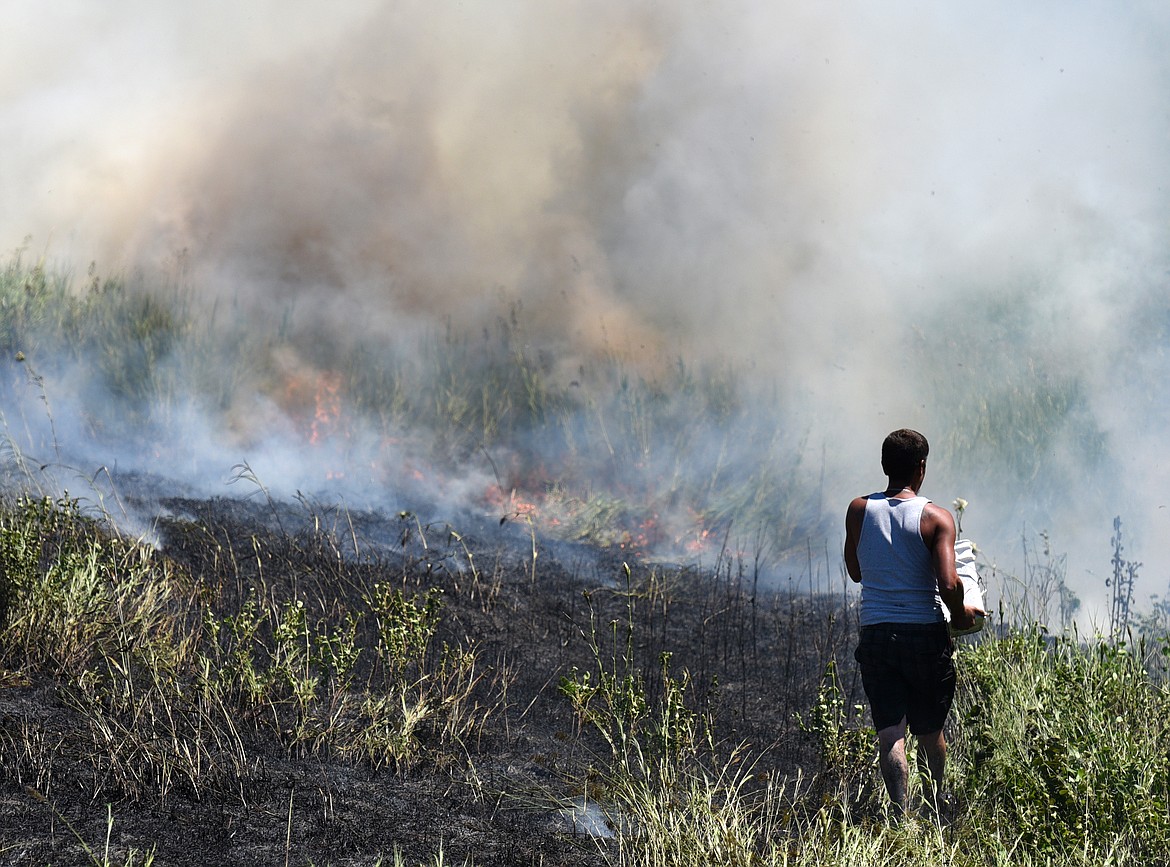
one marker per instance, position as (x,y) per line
(932,741)
(890,735)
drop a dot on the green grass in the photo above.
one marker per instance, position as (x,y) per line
(1027,414)
(1058,757)
(1064,745)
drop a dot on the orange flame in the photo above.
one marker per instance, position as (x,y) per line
(328,406)
(509,504)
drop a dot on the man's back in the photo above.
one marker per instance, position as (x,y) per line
(900,584)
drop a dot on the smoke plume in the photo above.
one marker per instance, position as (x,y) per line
(923,215)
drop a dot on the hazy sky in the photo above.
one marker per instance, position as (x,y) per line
(796,185)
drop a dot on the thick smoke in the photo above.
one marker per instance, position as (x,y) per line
(900,216)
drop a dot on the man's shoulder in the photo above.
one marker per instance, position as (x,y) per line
(857,504)
(854,518)
(934,518)
(935,512)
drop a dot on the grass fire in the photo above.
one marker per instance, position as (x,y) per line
(193,676)
(426,429)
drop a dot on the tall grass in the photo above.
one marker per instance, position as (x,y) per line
(1058,757)
(1063,747)
(1024,415)
(675,458)
(176,667)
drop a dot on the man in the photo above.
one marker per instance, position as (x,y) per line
(901,548)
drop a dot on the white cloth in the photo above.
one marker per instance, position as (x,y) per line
(972,584)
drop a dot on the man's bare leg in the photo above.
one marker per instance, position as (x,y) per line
(932,760)
(895,769)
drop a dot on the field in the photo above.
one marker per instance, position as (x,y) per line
(524,671)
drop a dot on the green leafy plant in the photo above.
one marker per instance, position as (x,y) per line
(1063,745)
(646,736)
(846,750)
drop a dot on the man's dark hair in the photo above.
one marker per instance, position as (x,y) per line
(902,452)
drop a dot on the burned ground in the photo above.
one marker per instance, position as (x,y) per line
(754,654)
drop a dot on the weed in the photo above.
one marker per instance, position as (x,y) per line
(848,762)
(1120,585)
(178,671)
(628,449)
(645,737)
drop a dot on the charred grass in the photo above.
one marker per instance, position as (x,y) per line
(267,685)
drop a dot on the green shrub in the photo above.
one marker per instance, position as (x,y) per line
(1063,744)
(73,593)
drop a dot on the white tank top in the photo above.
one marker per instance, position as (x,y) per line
(898,584)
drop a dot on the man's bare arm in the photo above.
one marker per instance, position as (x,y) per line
(938,531)
(853,521)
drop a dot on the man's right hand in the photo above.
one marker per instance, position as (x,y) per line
(967,618)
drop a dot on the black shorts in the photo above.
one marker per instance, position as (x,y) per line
(907,671)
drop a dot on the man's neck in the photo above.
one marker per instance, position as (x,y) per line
(901,491)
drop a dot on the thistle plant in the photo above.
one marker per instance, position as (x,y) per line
(1121,583)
